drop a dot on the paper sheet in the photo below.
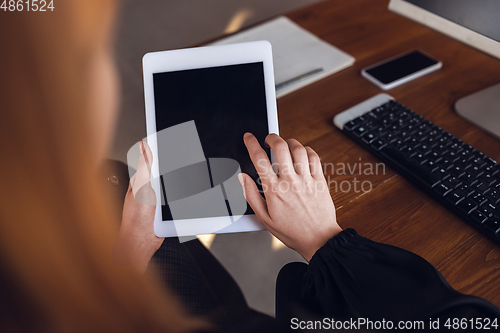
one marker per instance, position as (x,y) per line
(296,51)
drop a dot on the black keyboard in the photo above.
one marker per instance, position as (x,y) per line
(462,178)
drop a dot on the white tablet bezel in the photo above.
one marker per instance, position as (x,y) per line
(204,57)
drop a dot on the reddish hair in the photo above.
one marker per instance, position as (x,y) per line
(57,224)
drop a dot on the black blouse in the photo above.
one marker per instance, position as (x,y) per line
(352,277)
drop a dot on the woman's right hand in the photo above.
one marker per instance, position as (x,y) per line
(297,208)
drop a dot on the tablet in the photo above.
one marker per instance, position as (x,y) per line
(199,103)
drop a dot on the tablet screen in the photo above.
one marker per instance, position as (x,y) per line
(224,102)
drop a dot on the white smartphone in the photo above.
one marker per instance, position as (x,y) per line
(400,69)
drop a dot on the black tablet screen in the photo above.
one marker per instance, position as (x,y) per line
(224,102)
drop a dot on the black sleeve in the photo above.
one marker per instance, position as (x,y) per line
(354,277)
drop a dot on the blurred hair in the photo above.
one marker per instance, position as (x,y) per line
(57,225)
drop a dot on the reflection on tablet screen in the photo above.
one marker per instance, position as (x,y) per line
(215,106)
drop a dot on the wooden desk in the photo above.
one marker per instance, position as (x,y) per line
(395,211)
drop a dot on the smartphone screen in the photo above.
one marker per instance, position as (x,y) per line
(401,67)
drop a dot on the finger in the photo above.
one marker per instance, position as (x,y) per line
(148,155)
(282,153)
(254,199)
(259,158)
(142,175)
(300,159)
(144,163)
(314,163)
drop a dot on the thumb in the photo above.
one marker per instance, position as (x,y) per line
(141,180)
(145,158)
(254,199)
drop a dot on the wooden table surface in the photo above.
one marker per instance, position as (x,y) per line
(395,211)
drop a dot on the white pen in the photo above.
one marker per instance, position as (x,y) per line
(298,78)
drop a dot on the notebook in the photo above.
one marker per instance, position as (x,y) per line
(296,52)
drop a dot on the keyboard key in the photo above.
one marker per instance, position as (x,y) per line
(389,137)
(419,158)
(454,197)
(380,111)
(492,225)
(477,216)
(485,211)
(480,187)
(447,135)
(456,171)
(413,142)
(464,165)
(430,166)
(352,124)
(452,155)
(421,135)
(456,145)
(473,168)
(431,142)
(399,144)
(493,196)
(369,137)
(380,130)
(467,154)
(379,144)
(441,189)
(478,198)
(370,124)
(441,173)
(445,164)
(464,188)
(372,115)
(392,115)
(395,128)
(444,140)
(453,182)
(404,135)
(491,168)
(433,155)
(493,207)
(425,147)
(486,179)
(434,133)
(424,126)
(384,122)
(479,154)
(466,206)
(479,161)
(468,178)
(409,151)
(359,131)
(441,148)
(411,128)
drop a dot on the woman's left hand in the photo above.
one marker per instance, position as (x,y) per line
(136,241)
